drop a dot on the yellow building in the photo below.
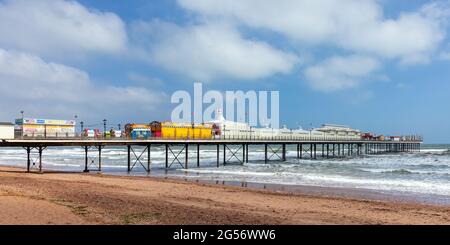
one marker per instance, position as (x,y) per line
(185,131)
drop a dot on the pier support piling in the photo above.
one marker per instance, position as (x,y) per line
(301,151)
(99,157)
(138,158)
(315,151)
(265,153)
(177,153)
(129,158)
(40,159)
(243,154)
(28,158)
(167,156)
(186,160)
(218,155)
(149,159)
(86,151)
(323,150)
(224,154)
(246,153)
(198,155)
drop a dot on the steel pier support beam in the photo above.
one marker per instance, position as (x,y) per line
(138,158)
(149,161)
(265,153)
(284,153)
(198,155)
(246,153)
(323,150)
(40,159)
(99,158)
(86,151)
(315,151)
(328,150)
(129,158)
(224,155)
(243,154)
(301,151)
(28,158)
(167,156)
(218,155)
(186,156)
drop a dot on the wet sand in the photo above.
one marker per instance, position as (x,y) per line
(74,198)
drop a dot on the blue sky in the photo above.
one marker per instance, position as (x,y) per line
(378,66)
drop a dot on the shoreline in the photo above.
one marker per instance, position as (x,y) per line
(336,192)
(323,191)
(330,191)
(77,198)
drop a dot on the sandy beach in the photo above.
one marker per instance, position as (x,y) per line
(75,198)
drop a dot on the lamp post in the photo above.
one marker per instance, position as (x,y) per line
(21,112)
(104,128)
(81,125)
(75,120)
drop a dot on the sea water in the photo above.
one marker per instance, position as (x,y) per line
(424,173)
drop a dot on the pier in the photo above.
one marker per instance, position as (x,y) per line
(228,151)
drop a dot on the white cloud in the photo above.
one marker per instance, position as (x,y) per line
(355,25)
(30,83)
(445,53)
(209,51)
(341,72)
(55,28)
(143,79)
(444,56)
